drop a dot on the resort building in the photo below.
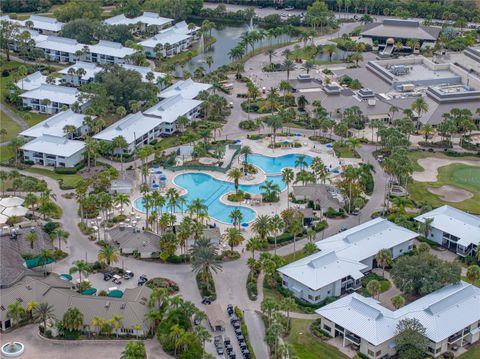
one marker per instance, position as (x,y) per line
(132,306)
(451,317)
(32,81)
(344,259)
(171,42)
(144,71)
(140,129)
(51,98)
(55,151)
(142,22)
(188,89)
(454,229)
(108,52)
(42,24)
(55,126)
(72,75)
(390,31)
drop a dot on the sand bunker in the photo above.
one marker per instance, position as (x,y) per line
(451,193)
(431,165)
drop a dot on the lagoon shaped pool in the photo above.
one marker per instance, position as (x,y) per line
(275,165)
(210,190)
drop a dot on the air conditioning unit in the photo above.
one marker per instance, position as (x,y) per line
(372,102)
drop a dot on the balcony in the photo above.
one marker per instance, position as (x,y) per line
(453,338)
(353,338)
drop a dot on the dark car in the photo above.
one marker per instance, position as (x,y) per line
(236,325)
(107,276)
(240,338)
(206,301)
(228,347)
(230,309)
(246,355)
(243,345)
(227,340)
(142,280)
(219,349)
(234,319)
(231,355)
(128,274)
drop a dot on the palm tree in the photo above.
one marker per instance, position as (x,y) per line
(173,198)
(60,235)
(44,257)
(204,256)
(270,191)
(235,174)
(73,319)
(426,227)
(117,319)
(122,199)
(108,254)
(97,322)
(233,237)
(236,216)
(275,123)
(81,267)
(261,226)
(288,66)
(134,350)
(330,50)
(43,312)
(209,61)
(270,53)
(373,287)
(398,301)
(473,273)
(384,259)
(420,106)
(428,130)
(31,237)
(254,244)
(276,225)
(285,87)
(295,228)
(15,311)
(288,176)
(301,162)
(245,151)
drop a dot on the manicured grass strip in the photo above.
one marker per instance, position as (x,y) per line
(6,153)
(11,126)
(307,346)
(473,353)
(66,181)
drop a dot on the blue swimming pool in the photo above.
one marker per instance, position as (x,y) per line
(271,165)
(209,189)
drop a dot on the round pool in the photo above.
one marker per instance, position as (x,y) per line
(12,349)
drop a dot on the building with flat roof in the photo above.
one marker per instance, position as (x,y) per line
(140,129)
(147,19)
(57,96)
(344,259)
(172,41)
(55,151)
(55,125)
(188,89)
(32,81)
(132,306)
(400,30)
(451,317)
(454,229)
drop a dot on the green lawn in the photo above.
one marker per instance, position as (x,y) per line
(477,283)
(307,346)
(459,175)
(6,153)
(67,181)
(473,353)
(11,126)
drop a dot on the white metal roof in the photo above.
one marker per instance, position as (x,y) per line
(456,222)
(442,313)
(111,48)
(60,94)
(365,240)
(54,125)
(149,18)
(137,124)
(32,81)
(322,268)
(171,36)
(58,43)
(130,127)
(143,71)
(187,88)
(171,108)
(54,145)
(44,23)
(90,68)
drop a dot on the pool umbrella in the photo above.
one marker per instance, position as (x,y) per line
(155,186)
(286,142)
(115,294)
(3,219)
(36,262)
(155,166)
(244,225)
(66,277)
(298,134)
(158,172)
(89,291)
(17,211)
(238,141)
(163,178)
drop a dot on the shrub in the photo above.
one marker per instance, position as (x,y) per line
(102,293)
(231,255)
(332,213)
(5,73)
(177,259)
(252,290)
(249,125)
(204,290)
(50,226)
(318,227)
(284,237)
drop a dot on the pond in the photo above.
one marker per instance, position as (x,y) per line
(340,55)
(228,36)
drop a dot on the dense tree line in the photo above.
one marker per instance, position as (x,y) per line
(89,31)
(27,5)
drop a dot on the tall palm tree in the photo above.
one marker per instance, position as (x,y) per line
(15,312)
(246,151)
(122,199)
(276,226)
(117,320)
(205,260)
(233,237)
(295,228)
(275,123)
(184,232)
(426,227)
(43,312)
(108,254)
(173,198)
(288,66)
(420,106)
(261,226)
(384,259)
(31,237)
(270,191)
(73,319)
(254,244)
(236,216)
(235,174)
(288,176)
(82,267)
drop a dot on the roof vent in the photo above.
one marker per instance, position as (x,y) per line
(107,304)
(123,305)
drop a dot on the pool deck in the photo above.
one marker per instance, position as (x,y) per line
(309,148)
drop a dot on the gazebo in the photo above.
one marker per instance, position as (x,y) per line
(257,199)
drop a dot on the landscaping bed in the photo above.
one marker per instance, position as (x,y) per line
(159,282)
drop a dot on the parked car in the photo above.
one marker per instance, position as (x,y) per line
(240,338)
(206,301)
(234,319)
(236,325)
(107,276)
(217,340)
(142,280)
(127,275)
(117,279)
(231,355)
(289,8)
(230,309)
